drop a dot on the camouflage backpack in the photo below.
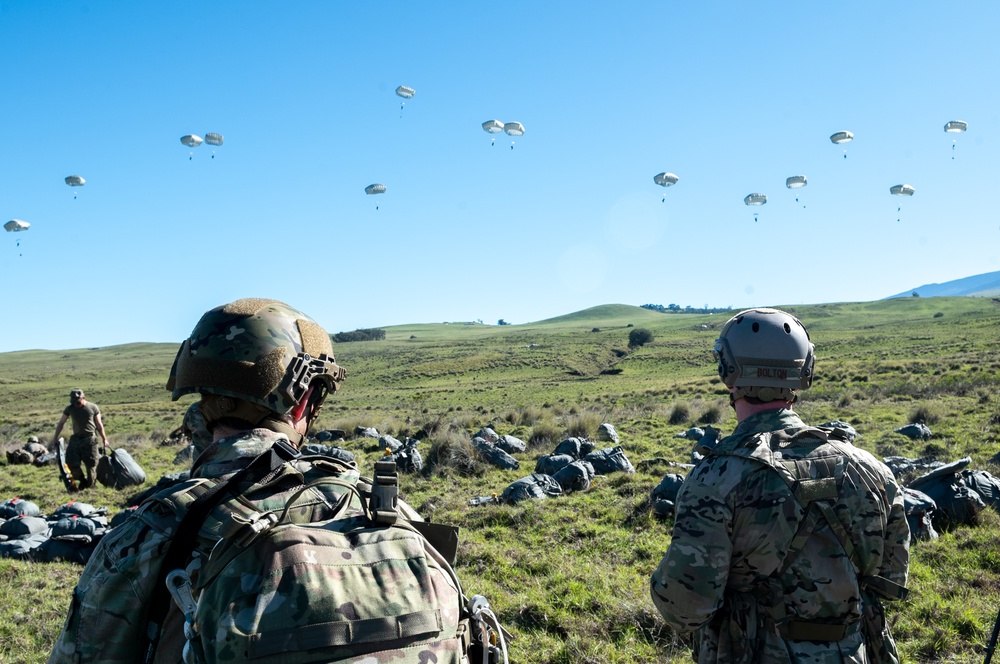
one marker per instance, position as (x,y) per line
(365,585)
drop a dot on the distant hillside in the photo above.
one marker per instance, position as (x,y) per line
(981,285)
(605,312)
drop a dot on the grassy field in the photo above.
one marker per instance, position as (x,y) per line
(569,576)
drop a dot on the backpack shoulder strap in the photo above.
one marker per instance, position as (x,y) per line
(262,469)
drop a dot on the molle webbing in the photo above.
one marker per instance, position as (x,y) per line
(347,632)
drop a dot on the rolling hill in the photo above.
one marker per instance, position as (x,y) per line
(980,285)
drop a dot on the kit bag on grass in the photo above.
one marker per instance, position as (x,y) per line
(119,470)
(366,585)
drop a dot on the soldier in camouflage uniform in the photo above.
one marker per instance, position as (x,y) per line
(263,370)
(786,538)
(82,448)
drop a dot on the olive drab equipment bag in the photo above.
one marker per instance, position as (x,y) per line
(815,484)
(366,583)
(119,470)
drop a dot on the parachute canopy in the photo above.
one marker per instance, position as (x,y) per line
(902,190)
(191,140)
(493,126)
(75,181)
(375,189)
(755,199)
(514,129)
(796,181)
(16,226)
(956,126)
(842,137)
(665,179)
(405,92)
(213,139)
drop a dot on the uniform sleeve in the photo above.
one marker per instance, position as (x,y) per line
(896,559)
(689,584)
(106,621)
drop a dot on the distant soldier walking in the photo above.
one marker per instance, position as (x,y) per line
(82,448)
(786,537)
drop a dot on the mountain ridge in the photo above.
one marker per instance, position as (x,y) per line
(979,285)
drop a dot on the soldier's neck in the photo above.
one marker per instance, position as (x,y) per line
(745,409)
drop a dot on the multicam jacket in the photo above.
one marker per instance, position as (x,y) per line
(109,612)
(736,520)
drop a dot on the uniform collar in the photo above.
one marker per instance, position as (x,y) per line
(768,420)
(227,455)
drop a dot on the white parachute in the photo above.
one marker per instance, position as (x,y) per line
(955,127)
(841,138)
(75,181)
(406,93)
(796,182)
(665,180)
(17,226)
(374,189)
(214,139)
(901,190)
(493,127)
(192,141)
(755,200)
(513,129)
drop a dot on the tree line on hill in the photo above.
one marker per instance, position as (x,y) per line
(677,309)
(373,334)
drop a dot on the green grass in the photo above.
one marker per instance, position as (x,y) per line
(569,576)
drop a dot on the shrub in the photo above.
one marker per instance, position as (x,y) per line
(543,434)
(923,415)
(679,414)
(712,415)
(639,336)
(454,450)
(583,425)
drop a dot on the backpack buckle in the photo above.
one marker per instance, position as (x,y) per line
(384,498)
(285,450)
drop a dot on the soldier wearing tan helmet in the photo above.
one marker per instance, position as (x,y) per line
(82,448)
(786,537)
(262,370)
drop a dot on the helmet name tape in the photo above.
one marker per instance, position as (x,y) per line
(752,371)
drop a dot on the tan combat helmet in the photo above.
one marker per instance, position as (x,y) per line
(255,359)
(765,354)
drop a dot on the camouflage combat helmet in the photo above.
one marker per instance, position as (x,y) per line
(262,352)
(765,354)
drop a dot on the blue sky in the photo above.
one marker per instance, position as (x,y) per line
(733,97)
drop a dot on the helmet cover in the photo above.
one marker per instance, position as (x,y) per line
(262,351)
(765,348)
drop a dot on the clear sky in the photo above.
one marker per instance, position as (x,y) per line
(733,97)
